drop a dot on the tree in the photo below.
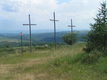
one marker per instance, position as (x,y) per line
(70,38)
(97,37)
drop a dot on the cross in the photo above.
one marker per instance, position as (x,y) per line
(71,26)
(54,20)
(30,33)
(21,42)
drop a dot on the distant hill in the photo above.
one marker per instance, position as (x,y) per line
(39,37)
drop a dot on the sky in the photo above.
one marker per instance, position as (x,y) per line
(14,13)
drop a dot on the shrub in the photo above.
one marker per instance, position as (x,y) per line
(70,38)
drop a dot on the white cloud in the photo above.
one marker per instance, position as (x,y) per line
(82,12)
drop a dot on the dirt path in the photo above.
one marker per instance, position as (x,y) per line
(6,68)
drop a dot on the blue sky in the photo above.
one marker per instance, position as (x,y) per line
(13,13)
(61,1)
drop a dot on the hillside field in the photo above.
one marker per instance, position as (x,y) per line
(50,64)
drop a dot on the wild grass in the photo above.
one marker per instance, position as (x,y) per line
(64,63)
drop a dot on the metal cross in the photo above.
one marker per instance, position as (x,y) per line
(54,20)
(71,26)
(30,33)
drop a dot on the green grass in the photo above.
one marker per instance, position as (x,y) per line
(8,40)
(17,58)
(49,64)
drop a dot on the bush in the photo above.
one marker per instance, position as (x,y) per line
(87,58)
(91,58)
(70,38)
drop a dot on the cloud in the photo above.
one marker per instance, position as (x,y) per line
(16,12)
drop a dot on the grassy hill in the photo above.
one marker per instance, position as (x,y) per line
(50,64)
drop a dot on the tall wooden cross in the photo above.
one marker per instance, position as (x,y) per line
(21,42)
(54,20)
(30,33)
(71,26)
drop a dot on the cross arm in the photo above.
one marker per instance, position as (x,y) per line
(28,24)
(71,26)
(53,20)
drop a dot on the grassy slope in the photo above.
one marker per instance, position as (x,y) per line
(48,64)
